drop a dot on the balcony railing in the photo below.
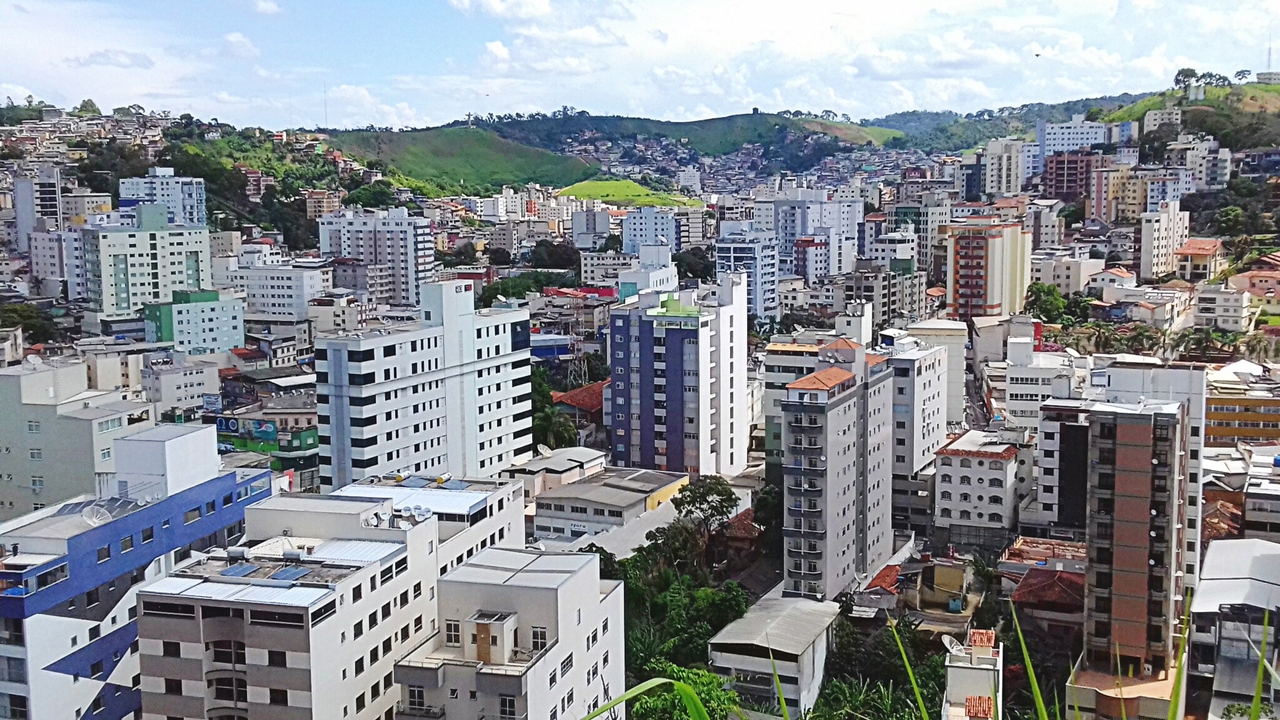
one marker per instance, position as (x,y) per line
(423,711)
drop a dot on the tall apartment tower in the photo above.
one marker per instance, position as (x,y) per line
(384,237)
(1161,233)
(679,380)
(129,267)
(837,445)
(1134,583)
(919,425)
(184,196)
(1003,170)
(37,198)
(449,393)
(988,267)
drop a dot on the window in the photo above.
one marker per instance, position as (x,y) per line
(276,658)
(230,652)
(35,454)
(191,516)
(172,686)
(148,534)
(566,665)
(604,627)
(33,426)
(964,515)
(453,633)
(279,697)
(539,638)
(357,593)
(417,697)
(551,680)
(946,494)
(126,544)
(171,649)
(104,553)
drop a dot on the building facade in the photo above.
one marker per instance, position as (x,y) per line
(384,237)
(206,321)
(184,196)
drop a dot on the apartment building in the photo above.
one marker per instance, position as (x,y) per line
(69,611)
(372,284)
(679,374)
(653,271)
(384,392)
(1004,171)
(787,358)
(1067,174)
(274,292)
(1162,233)
(837,472)
(58,264)
(603,268)
(1223,307)
(954,336)
(979,474)
(305,619)
(1167,116)
(384,237)
(649,226)
(809,214)
(589,228)
(894,297)
(58,434)
(754,253)
(896,251)
(1137,498)
(526,634)
(1066,269)
(1201,259)
(37,204)
(919,425)
(175,381)
(204,321)
(128,267)
(322,202)
(1243,406)
(975,677)
(79,205)
(989,267)
(184,196)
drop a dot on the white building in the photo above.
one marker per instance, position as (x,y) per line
(679,378)
(919,424)
(274,291)
(173,380)
(184,196)
(1074,134)
(690,179)
(1111,277)
(57,434)
(837,461)
(1155,118)
(755,253)
(1002,167)
(1029,377)
(603,268)
(202,322)
(589,228)
(653,271)
(1162,233)
(384,237)
(58,264)
(975,678)
(977,482)
(808,214)
(788,637)
(1066,269)
(128,267)
(954,336)
(525,634)
(1223,307)
(649,226)
(449,393)
(896,251)
(313,613)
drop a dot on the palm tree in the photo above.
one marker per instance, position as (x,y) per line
(1197,341)
(1143,338)
(1104,337)
(554,429)
(1259,347)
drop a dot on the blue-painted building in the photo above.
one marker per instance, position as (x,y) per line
(69,574)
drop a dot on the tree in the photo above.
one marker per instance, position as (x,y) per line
(694,263)
(709,500)
(548,254)
(1242,75)
(1079,309)
(87,107)
(1045,302)
(1230,220)
(1095,114)
(497,255)
(380,193)
(612,243)
(464,254)
(720,704)
(37,326)
(554,429)
(1153,146)
(1184,77)
(1072,214)
(768,515)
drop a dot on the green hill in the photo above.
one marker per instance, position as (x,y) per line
(1240,116)
(470,156)
(625,192)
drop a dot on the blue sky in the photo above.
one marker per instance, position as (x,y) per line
(426,62)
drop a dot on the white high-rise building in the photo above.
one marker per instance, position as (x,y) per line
(535,634)
(449,393)
(977,485)
(838,493)
(653,271)
(184,196)
(679,380)
(128,267)
(589,228)
(384,237)
(808,214)
(1067,136)
(58,265)
(649,226)
(755,253)
(274,291)
(1002,167)
(919,424)
(1162,233)
(895,251)
(37,198)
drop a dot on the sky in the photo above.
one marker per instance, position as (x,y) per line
(417,63)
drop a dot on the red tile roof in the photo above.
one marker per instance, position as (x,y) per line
(1042,586)
(1199,246)
(841,344)
(982,638)
(822,379)
(588,398)
(886,579)
(743,526)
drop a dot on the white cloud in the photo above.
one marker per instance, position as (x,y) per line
(356,105)
(114,58)
(239,46)
(266,7)
(505,8)
(498,50)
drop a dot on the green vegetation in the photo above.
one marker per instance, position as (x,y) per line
(625,192)
(517,285)
(464,157)
(37,326)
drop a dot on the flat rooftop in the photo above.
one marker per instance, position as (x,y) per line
(620,487)
(450,496)
(558,461)
(520,568)
(789,625)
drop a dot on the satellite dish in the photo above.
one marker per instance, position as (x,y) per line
(953,645)
(95,515)
(543,450)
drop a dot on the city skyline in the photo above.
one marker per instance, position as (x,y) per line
(278,63)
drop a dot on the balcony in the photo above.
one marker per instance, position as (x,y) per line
(813,534)
(804,572)
(819,470)
(806,450)
(807,489)
(801,551)
(419,711)
(803,511)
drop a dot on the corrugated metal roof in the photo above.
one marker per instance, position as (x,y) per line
(363,551)
(788,625)
(1244,571)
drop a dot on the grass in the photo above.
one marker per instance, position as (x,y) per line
(469,156)
(1251,97)
(625,192)
(849,132)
